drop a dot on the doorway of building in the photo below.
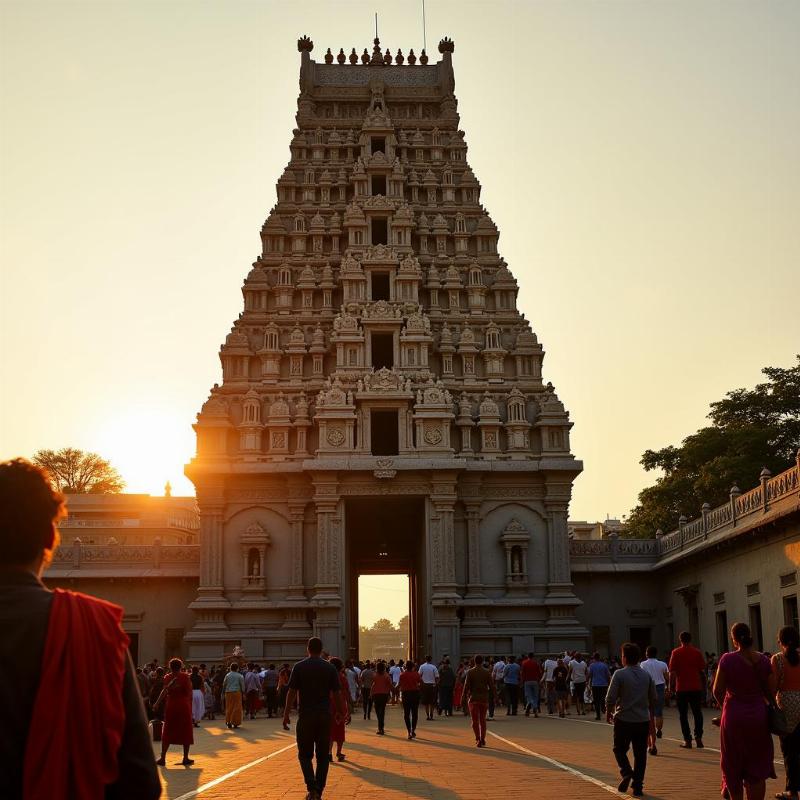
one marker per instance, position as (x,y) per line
(384,611)
(385,537)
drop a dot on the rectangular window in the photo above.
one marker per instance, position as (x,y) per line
(380,285)
(721,618)
(789,579)
(755,626)
(380,231)
(752,589)
(378,144)
(384,433)
(378,185)
(790,610)
(382,350)
(719,598)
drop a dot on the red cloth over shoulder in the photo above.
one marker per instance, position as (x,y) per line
(78,715)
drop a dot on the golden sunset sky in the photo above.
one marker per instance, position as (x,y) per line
(641,160)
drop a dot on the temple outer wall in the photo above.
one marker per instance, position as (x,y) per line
(157,613)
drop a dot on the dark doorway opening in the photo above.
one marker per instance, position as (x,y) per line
(380,286)
(378,144)
(722,632)
(642,637)
(133,647)
(384,433)
(382,350)
(379,185)
(386,537)
(380,231)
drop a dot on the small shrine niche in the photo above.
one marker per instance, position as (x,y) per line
(515,539)
(254,542)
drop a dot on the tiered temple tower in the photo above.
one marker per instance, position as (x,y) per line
(382,406)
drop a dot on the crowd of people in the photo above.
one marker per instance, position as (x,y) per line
(92,734)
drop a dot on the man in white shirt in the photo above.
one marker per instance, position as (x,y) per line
(394,674)
(577,676)
(659,672)
(549,666)
(430,681)
(498,672)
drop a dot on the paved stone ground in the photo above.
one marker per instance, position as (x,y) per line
(546,758)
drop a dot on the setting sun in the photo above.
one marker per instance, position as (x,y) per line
(148,444)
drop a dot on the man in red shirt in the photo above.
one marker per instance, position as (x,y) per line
(531,677)
(687,679)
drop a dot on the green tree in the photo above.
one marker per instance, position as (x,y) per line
(750,429)
(78,472)
(383,625)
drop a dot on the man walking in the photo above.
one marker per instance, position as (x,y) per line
(659,672)
(252,688)
(430,682)
(550,665)
(531,677)
(511,683)
(599,678)
(478,687)
(630,703)
(688,679)
(394,674)
(447,684)
(367,677)
(270,688)
(498,671)
(313,679)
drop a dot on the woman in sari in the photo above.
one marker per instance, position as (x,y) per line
(338,721)
(177,712)
(786,666)
(743,681)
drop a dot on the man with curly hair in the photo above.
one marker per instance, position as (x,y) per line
(74,721)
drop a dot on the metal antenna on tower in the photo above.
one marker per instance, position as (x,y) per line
(424,42)
(376,24)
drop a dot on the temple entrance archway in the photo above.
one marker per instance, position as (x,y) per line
(386,536)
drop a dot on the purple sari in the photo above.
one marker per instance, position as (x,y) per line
(745,740)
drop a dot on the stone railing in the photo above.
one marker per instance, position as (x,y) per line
(180,523)
(712,523)
(614,549)
(740,509)
(150,556)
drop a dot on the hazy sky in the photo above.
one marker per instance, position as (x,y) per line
(640,159)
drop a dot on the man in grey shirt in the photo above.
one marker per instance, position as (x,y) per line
(630,703)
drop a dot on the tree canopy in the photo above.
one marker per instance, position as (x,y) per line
(75,471)
(750,429)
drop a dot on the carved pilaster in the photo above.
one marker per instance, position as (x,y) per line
(297,514)
(474,586)
(211,552)
(558,544)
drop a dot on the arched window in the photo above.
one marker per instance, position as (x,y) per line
(300,224)
(475,277)
(285,278)
(461,224)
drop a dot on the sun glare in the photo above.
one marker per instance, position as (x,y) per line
(149,446)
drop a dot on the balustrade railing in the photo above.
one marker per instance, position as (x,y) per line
(737,510)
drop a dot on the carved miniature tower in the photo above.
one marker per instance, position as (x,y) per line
(382,406)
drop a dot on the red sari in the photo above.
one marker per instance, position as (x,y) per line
(178,728)
(337,728)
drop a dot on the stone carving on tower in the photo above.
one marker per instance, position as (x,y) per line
(381,366)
